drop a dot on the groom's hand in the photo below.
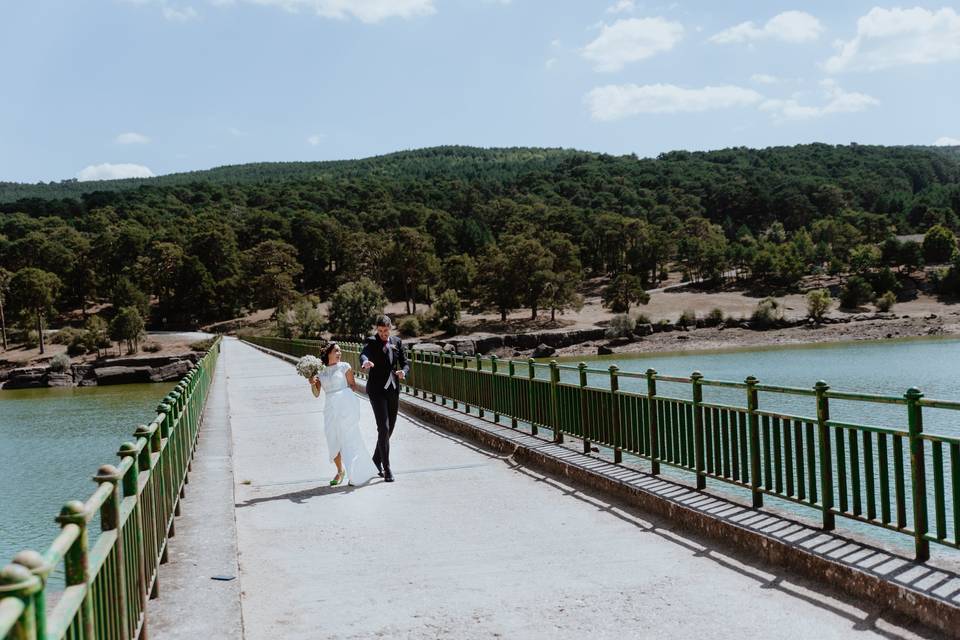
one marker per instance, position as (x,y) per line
(401,374)
(367,365)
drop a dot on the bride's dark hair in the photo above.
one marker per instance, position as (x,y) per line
(325,353)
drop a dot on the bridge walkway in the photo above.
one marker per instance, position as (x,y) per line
(466,544)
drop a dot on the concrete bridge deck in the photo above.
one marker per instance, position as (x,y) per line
(466,544)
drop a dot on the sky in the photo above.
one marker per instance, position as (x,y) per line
(98,89)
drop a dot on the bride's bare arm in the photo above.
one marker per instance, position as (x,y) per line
(350,379)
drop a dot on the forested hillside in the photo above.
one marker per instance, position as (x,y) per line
(503,228)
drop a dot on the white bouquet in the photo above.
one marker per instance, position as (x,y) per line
(309,366)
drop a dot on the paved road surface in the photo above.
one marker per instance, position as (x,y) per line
(468,545)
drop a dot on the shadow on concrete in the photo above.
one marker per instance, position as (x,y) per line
(863,615)
(299,497)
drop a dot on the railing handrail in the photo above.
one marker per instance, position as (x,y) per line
(107,585)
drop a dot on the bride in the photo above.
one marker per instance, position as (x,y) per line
(341,419)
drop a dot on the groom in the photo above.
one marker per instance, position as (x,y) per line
(385,363)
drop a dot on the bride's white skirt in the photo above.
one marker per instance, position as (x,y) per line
(341,425)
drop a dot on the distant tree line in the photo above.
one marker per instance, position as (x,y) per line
(499,229)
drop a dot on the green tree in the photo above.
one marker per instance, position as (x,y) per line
(939,244)
(34,291)
(857,291)
(413,262)
(271,271)
(910,256)
(5,277)
(624,291)
(497,288)
(126,294)
(459,272)
(127,326)
(354,307)
(446,309)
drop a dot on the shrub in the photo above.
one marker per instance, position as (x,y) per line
(410,327)
(78,346)
(202,345)
(59,363)
(715,316)
(818,303)
(688,319)
(65,335)
(621,326)
(766,314)
(642,318)
(446,310)
(886,301)
(856,292)
(152,347)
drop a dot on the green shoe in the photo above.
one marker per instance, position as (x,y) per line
(338,479)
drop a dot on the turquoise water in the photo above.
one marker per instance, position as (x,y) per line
(887,368)
(51,443)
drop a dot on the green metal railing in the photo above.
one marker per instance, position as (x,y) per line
(902,479)
(107,585)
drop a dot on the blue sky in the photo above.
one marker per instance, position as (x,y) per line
(113,88)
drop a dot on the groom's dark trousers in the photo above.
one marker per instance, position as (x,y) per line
(383,389)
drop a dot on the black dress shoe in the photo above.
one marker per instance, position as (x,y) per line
(387,475)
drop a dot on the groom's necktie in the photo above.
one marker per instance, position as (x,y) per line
(389,352)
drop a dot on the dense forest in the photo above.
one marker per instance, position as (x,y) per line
(502,228)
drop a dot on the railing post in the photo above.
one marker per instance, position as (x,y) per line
(17,581)
(753,404)
(918,474)
(584,418)
(131,484)
(493,388)
(615,413)
(826,455)
(532,374)
(35,563)
(463,386)
(436,378)
(478,385)
(76,562)
(555,402)
(512,370)
(450,380)
(652,421)
(696,380)
(110,521)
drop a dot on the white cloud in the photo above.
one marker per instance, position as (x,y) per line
(550,63)
(631,40)
(947,141)
(109,171)
(363,10)
(622,6)
(131,138)
(184,14)
(236,133)
(897,37)
(763,78)
(837,101)
(789,26)
(315,139)
(614,102)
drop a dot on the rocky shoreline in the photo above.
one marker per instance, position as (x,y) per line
(103,372)
(728,334)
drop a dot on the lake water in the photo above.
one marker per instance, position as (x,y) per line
(51,443)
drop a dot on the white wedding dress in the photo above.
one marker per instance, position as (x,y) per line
(341,424)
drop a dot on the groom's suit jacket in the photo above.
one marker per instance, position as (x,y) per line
(386,358)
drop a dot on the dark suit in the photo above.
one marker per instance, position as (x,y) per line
(383,389)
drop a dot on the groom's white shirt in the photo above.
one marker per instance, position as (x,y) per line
(390,378)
